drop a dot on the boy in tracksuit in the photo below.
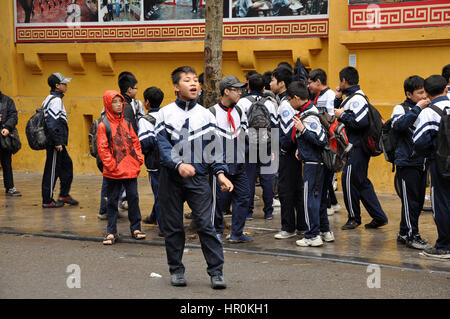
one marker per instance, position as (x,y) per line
(58,163)
(353,112)
(231,128)
(425,143)
(120,152)
(153,98)
(290,182)
(185,132)
(411,169)
(256,86)
(310,139)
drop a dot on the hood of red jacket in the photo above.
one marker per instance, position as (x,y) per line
(108,96)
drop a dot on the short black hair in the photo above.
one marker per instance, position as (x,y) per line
(154,96)
(283,74)
(350,74)
(52,81)
(250,73)
(446,72)
(126,80)
(267,79)
(318,74)
(256,82)
(286,65)
(413,83)
(435,85)
(299,89)
(201,78)
(176,74)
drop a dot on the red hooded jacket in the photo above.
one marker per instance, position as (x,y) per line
(123,158)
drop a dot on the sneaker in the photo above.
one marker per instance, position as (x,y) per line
(227,214)
(335,185)
(417,242)
(243,238)
(374,224)
(177,280)
(219,237)
(249,217)
(327,236)
(313,242)
(13,192)
(336,207)
(151,220)
(276,203)
(268,217)
(284,235)
(218,282)
(67,200)
(102,216)
(123,205)
(437,253)
(188,215)
(53,204)
(401,239)
(350,224)
(256,197)
(330,211)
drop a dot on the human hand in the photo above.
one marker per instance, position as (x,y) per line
(296,155)
(186,170)
(338,113)
(298,124)
(59,148)
(338,92)
(423,103)
(5,132)
(225,183)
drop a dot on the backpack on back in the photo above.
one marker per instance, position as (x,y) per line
(36,129)
(387,139)
(259,118)
(442,155)
(370,141)
(93,134)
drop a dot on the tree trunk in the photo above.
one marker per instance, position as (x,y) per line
(213,52)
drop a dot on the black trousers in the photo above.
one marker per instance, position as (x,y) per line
(290,194)
(8,179)
(413,181)
(173,192)
(57,165)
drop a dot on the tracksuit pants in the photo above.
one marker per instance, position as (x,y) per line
(8,180)
(290,194)
(358,188)
(440,200)
(313,197)
(153,177)
(57,165)
(113,190)
(413,183)
(331,195)
(267,187)
(173,192)
(239,199)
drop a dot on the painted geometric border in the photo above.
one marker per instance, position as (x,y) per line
(400,15)
(164,32)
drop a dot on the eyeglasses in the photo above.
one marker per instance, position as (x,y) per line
(237,90)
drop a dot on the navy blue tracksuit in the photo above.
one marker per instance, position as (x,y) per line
(425,144)
(355,184)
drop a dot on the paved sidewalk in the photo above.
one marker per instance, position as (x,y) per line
(360,246)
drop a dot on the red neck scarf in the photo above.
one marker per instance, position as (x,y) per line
(294,129)
(229,116)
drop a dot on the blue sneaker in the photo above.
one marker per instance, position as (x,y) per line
(219,237)
(243,238)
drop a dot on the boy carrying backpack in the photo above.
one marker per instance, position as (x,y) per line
(431,139)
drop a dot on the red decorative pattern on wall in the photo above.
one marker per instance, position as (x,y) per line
(400,15)
(165,32)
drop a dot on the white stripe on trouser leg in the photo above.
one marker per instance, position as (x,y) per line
(53,172)
(406,207)
(349,194)
(214,193)
(305,201)
(433,209)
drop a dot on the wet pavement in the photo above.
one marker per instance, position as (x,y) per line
(25,215)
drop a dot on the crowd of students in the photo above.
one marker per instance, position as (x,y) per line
(209,158)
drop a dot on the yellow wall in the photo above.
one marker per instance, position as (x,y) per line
(384,59)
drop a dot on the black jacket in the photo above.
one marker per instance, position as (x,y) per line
(9,113)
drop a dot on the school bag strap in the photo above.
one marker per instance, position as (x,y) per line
(437,110)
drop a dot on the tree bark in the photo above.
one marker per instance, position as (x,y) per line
(213,52)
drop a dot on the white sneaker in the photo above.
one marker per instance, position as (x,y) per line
(276,203)
(314,242)
(284,235)
(336,207)
(335,185)
(256,197)
(327,236)
(330,211)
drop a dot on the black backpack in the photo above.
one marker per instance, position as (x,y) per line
(36,130)
(93,134)
(370,140)
(387,139)
(442,155)
(258,118)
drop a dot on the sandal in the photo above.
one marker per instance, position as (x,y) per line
(108,240)
(138,235)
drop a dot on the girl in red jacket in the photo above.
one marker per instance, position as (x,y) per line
(119,150)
